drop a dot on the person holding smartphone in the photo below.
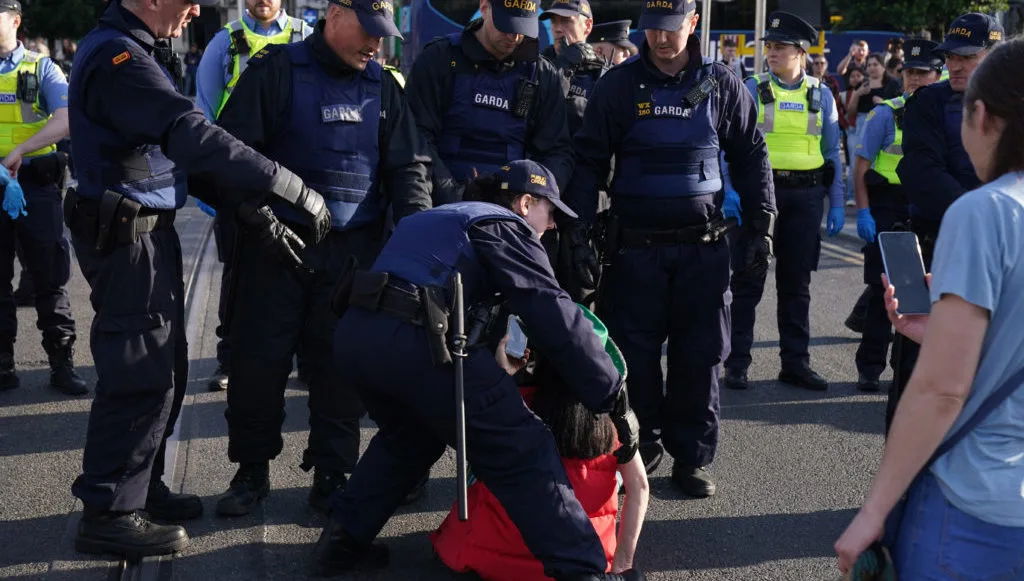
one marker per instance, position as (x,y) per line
(964,515)
(391,341)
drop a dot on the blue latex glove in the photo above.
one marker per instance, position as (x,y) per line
(206,208)
(836,219)
(14,196)
(731,207)
(865,225)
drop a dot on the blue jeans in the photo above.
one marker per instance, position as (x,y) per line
(939,542)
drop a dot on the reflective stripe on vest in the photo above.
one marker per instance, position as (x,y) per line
(791,130)
(332,139)
(671,149)
(428,247)
(889,157)
(20,119)
(480,131)
(239,61)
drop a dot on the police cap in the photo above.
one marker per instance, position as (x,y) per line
(789,28)
(10,6)
(616,32)
(516,16)
(970,34)
(377,17)
(919,53)
(529,177)
(568,8)
(665,14)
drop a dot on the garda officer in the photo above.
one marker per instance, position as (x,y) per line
(361,143)
(880,201)
(571,22)
(136,141)
(483,96)
(801,126)
(611,41)
(665,116)
(403,372)
(33,119)
(935,169)
(225,59)
(228,52)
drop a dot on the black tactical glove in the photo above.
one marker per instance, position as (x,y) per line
(579,56)
(276,239)
(584,260)
(627,426)
(448,191)
(759,255)
(293,190)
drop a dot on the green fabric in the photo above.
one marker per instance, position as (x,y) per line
(609,346)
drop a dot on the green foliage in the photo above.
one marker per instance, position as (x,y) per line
(59,18)
(908,16)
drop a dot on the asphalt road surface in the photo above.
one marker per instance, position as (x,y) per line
(792,465)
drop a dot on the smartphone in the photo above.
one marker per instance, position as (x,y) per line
(516,346)
(901,255)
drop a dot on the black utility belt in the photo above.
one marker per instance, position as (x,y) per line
(45,170)
(709,233)
(798,178)
(113,219)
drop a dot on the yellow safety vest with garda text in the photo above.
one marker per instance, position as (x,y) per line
(890,156)
(791,129)
(21,119)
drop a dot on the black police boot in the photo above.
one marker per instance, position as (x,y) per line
(418,491)
(63,376)
(804,377)
(867,383)
(8,377)
(219,381)
(336,553)
(627,575)
(129,534)
(651,453)
(855,322)
(736,379)
(693,481)
(250,485)
(164,505)
(325,483)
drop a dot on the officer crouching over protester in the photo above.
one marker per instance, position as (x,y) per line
(326,109)
(35,118)
(138,143)
(801,127)
(484,96)
(392,340)
(665,117)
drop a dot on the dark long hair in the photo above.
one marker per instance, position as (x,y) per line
(579,433)
(1003,96)
(488,189)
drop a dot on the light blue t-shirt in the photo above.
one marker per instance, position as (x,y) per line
(979,257)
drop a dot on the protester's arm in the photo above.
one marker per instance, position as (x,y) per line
(634,508)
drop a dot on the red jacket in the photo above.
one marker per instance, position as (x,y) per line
(491,546)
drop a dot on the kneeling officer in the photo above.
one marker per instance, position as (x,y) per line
(392,341)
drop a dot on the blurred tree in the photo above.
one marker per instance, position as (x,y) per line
(909,16)
(59,18)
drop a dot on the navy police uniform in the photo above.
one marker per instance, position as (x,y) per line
(386,342)
(801,127)
(881,145)
(349,134)
(935,169)
(137,140)
(578,63)
(615,32)
(667,263)
(476,112)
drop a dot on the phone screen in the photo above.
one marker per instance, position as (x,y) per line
(516,346)
(901,255)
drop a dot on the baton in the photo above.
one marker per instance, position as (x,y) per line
(459,344)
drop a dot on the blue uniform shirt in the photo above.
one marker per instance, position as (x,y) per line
(878,133)
(212,76)
(829,137)
(53,85)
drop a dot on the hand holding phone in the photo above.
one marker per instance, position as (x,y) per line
(516,345)
(904,267)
